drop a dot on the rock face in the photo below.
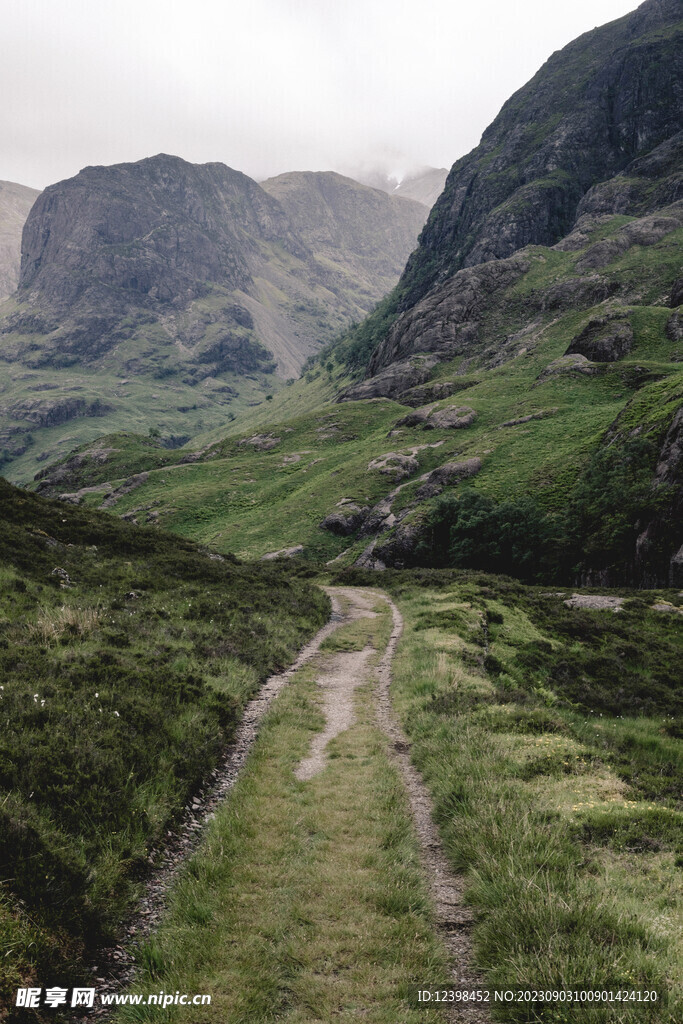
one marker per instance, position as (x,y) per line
(596,132)
(453,417)
(609,96)
(15,203)
(116,249)
(195,276)
(446,322)
(360,229)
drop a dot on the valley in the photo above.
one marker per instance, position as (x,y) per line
(341,574)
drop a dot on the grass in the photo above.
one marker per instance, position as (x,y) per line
(126,657)
(566,823)
(306,902)
(252,501)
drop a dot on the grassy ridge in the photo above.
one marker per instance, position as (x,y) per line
(565,817)
(125,656)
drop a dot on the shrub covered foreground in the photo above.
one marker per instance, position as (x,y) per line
(125,658)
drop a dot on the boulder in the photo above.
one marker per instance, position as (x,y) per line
(452,418)
(283,553)
(603,340)
(345,521)
(449,473)
(395,465)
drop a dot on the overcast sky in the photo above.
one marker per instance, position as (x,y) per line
(266,85)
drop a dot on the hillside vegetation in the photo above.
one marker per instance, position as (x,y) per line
(549,737)
(521,417)
(546,378)
(126,656)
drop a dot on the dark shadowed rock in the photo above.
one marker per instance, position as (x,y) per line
(609,102)
(674,327)
(603,340)
(393,380)
(593,108)
(434,391)
(345,521)
(446,323)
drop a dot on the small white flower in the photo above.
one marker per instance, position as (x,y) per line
(117,714)
(97,694)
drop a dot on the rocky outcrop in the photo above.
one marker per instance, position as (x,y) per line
(260,442)
(345,520)
(434,392)
(645,231)
(646,184)
(45,412)
(292,552)
(15,203)
(395,465)
(393,380)
(674,327)
(572,364)
(449,473)
(447,321)
(603,340)
(453,417)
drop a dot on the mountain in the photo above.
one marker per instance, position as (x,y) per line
(15,203)
(544,385)
(159,292)
(424,184)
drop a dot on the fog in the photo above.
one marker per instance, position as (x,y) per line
(268,86)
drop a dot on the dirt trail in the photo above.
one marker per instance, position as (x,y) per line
(339,676)
(453,918)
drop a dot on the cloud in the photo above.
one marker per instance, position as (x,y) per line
(269,86)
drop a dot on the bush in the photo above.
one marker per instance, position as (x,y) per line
(515,538)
